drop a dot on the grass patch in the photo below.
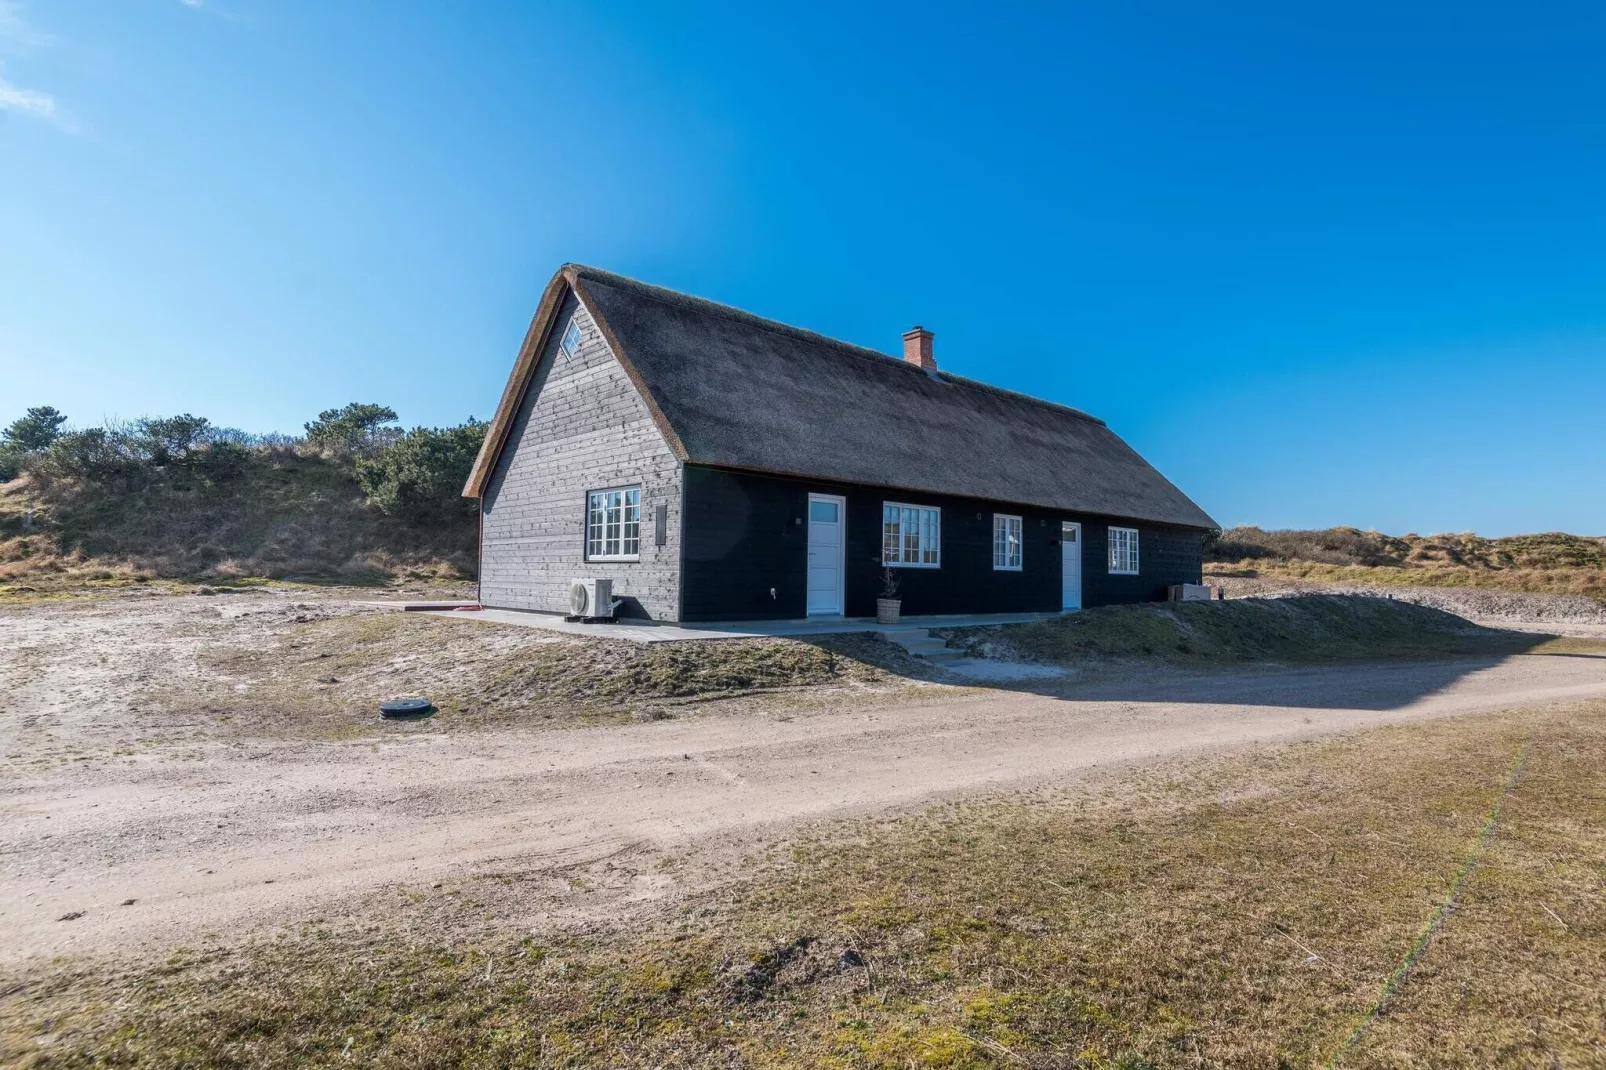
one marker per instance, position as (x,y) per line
(1308,628)
(1243,912)
(322,676)
(1590,583)
(1569,646)
(286,515)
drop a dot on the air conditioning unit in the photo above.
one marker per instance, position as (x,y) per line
(591,598)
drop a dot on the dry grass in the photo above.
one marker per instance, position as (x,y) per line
(1590,583)
(1308,628)
(1551,563)
(310,674)
(1245,912)
(288,515)
(317,671)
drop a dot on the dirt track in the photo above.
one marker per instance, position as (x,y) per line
(165,840)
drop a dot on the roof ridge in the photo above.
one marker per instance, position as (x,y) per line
(731,312)
(677,297)
(1021,394)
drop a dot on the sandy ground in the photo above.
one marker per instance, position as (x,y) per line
(115,836)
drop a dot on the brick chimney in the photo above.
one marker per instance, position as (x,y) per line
(917,348)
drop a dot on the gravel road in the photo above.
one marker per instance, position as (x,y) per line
(117,840)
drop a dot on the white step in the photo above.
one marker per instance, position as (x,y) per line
(921,643)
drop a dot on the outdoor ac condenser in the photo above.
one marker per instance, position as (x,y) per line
(591,597)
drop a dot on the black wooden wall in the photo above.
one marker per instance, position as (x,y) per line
(745,535)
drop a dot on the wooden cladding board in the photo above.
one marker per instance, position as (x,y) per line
(581,427)
(746,552)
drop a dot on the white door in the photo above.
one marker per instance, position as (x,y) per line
(826,523)
(1071,555)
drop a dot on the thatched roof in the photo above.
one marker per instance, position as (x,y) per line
(731,389)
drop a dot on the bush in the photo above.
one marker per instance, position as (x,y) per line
(420,478)
(28,436)
(219,461)
(1333,546)
(174,449)
(359,429)
(253,440)
(34,432)
(95,454)
(165,440)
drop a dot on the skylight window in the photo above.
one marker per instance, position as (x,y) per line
(571,339)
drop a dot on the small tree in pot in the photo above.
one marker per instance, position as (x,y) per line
(888,606)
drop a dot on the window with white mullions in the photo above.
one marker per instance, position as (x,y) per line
(911,535)
(1006,543)
(613,525)
(1124,551)
(571,338)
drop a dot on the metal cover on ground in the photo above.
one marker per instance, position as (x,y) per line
(405,707)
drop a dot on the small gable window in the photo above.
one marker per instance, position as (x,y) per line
(571,338)
(1123,551)
(1006,543)
(613,525)
(911,535)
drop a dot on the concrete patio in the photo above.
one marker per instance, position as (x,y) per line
(656,632)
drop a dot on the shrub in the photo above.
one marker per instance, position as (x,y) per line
(218,461)
(173,449)
(359,428)
(164,440)
(34,431)
(420,478)
(1333,546)
(254,440)
(95,454)
(28,436)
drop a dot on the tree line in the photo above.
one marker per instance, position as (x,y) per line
(415,475)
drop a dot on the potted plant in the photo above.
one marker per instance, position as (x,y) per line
(888,606)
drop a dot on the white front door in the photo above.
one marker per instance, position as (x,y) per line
(1071,555)
(827,519)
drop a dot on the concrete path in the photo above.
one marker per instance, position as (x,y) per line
(655,632)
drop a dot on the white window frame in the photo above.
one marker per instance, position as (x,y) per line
(927,548)
(1002,523)
(572,337)
(1123,551)
(618,511)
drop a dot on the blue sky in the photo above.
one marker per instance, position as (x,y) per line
(1321,263)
